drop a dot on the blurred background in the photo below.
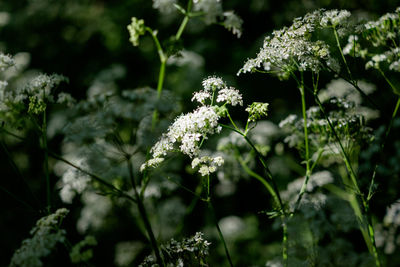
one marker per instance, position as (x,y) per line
(87,41)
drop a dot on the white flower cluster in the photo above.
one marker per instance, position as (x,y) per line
(257,110)
(230,96)
(212,9)
(293,48)
(383,34)
(386,233)
(6,61)
(94,213)
(46,235)
(383,29)
(333,18)
(34,96)
(136,29)
(233,23)
(207,165)
(73,182)
(353,47)
(213,83)
(178,252)
(393,214)
(189,130)
(164,6)
(213,13)
(316,180)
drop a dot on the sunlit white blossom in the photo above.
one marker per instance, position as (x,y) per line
(212,83)
(334,17)
(231,96)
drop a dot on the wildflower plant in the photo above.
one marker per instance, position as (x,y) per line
(127,153)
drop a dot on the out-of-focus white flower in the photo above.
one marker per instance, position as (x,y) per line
(73,182)
(212,9)
(6,61)
(164,6)
(45,236)
(94,212)
(233,23)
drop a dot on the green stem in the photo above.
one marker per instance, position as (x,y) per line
(341,53)
(367,221)
(46,162)
(185,20)
(258,177)
(221,236)
(161,78)
(144,216)
(285,245)
(370,191)
(307,156)
(276,193)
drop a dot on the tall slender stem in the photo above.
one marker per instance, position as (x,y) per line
(46,163)
(341,53)
(275,189)
(210,206)
(185,20)
(307,155)
(144,216)
(367,221)
(371,186)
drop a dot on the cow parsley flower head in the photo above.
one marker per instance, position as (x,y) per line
(213,83)
(201,96)
(257,110)
(333,18)
(189,130)
(230,96)
(191,251)
(45,236)
(294,48)
(233,23)
(207,165)
(6,61)
(136,29)
(211,9)
(185,134)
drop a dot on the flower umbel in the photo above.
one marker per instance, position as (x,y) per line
(136,29)
(257,110)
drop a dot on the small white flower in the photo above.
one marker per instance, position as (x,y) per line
(201,96)
(207,165)
(230,96)
(213,83)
